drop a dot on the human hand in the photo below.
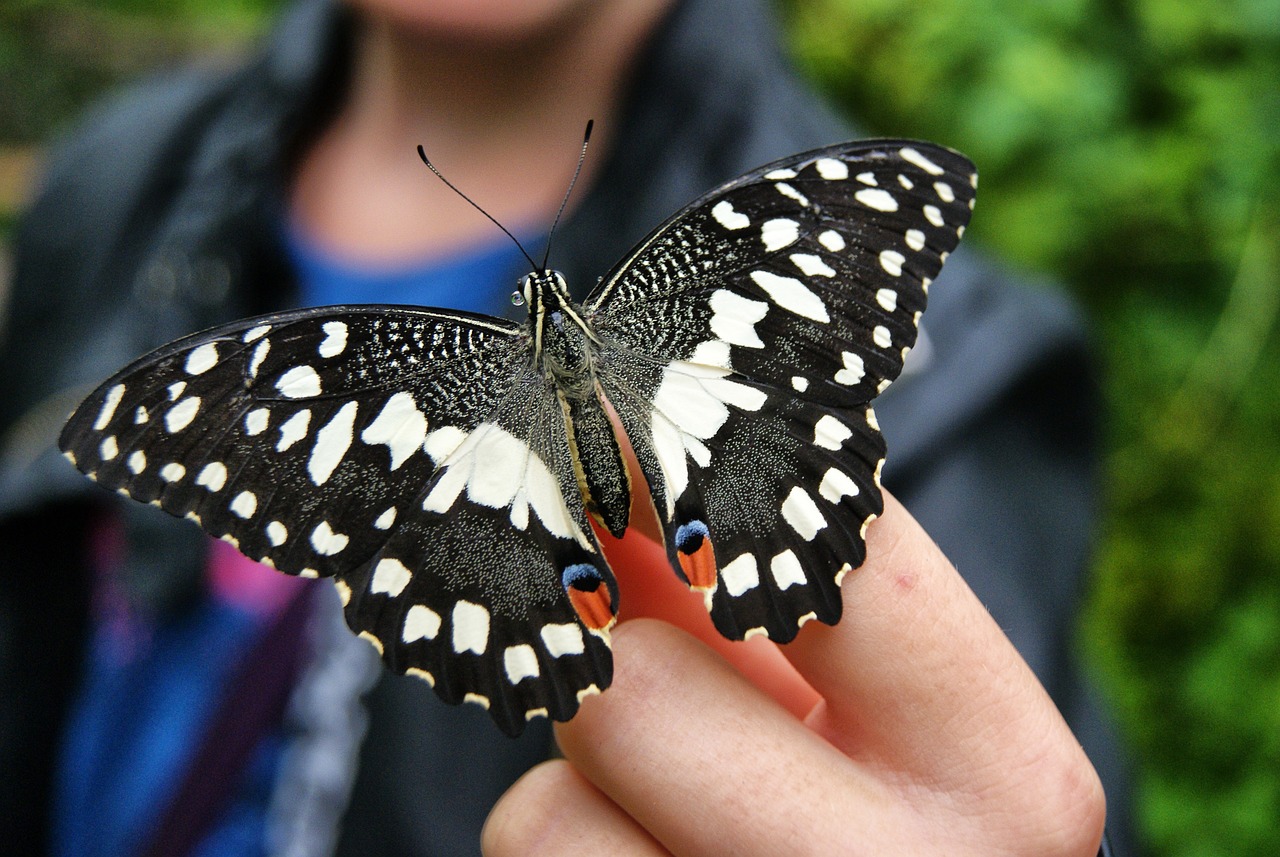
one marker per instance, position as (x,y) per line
(911,727)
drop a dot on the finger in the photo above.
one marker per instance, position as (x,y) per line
(649,588)
(918,676)
(553,810)
(708,764)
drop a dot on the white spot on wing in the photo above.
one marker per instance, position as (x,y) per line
(244,504)
(836,485)
(344,591)
(832,169)
(733,318)
(202,359)
(830,433)
(912,156)
(420,623)
(778,233)
(791,193)
(888,299)
(878,199)
(786,570)
(498,469)
(881,336)
(799,383)
(945,193)
(335,339)
(520,662)
(137,461)
(181,414)
(109,404)
(712,353)
(259,354)
(140,416)
(791,294)
(933,215)
(390,576)
(811,265)
(915,239)
(867,179)
(172,472)
(780,174)
(401,426)
(740,575)
(470,628)
(563,640)
(441,443)
(801,513)
(255,333)
(386,519)
(854,369)
(332,443)
(277,534)
(689,406)
(724,214)
(326,542)
(892,261)
(300,382)
(255,422)
(832,240)
(212,476)
(293,430)
(176,389)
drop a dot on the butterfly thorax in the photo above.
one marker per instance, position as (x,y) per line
(564,350)
(562,342)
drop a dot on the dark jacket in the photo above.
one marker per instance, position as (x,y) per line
(160,215)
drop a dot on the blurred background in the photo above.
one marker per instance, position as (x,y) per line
(1129,148)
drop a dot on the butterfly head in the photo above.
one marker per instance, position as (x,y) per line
(545,292)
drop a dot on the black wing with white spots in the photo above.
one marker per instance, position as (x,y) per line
(409,454)
(743,342)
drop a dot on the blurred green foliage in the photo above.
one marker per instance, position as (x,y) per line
(57,55)
(1132,148)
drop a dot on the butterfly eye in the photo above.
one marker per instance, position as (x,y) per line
(517,298)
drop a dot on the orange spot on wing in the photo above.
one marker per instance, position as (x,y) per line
(594,607)
(699,566)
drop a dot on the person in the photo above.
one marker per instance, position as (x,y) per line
(162,698)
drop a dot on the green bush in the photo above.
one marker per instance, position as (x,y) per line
(1133,149)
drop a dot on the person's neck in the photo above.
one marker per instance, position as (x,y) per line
(502,120)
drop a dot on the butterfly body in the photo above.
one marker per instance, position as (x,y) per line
(566,350)
(440,466)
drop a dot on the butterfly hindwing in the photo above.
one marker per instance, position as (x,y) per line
(743,342)
(356,442)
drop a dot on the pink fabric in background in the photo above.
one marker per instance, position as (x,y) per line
(238,580)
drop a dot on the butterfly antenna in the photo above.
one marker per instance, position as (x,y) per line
(423,154)
(586,138)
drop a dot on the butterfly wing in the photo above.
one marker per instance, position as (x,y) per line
(742,344)
(356,443)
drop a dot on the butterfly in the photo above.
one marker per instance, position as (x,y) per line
(440,466)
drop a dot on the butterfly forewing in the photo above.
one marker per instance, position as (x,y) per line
(743,343)
(408,453)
